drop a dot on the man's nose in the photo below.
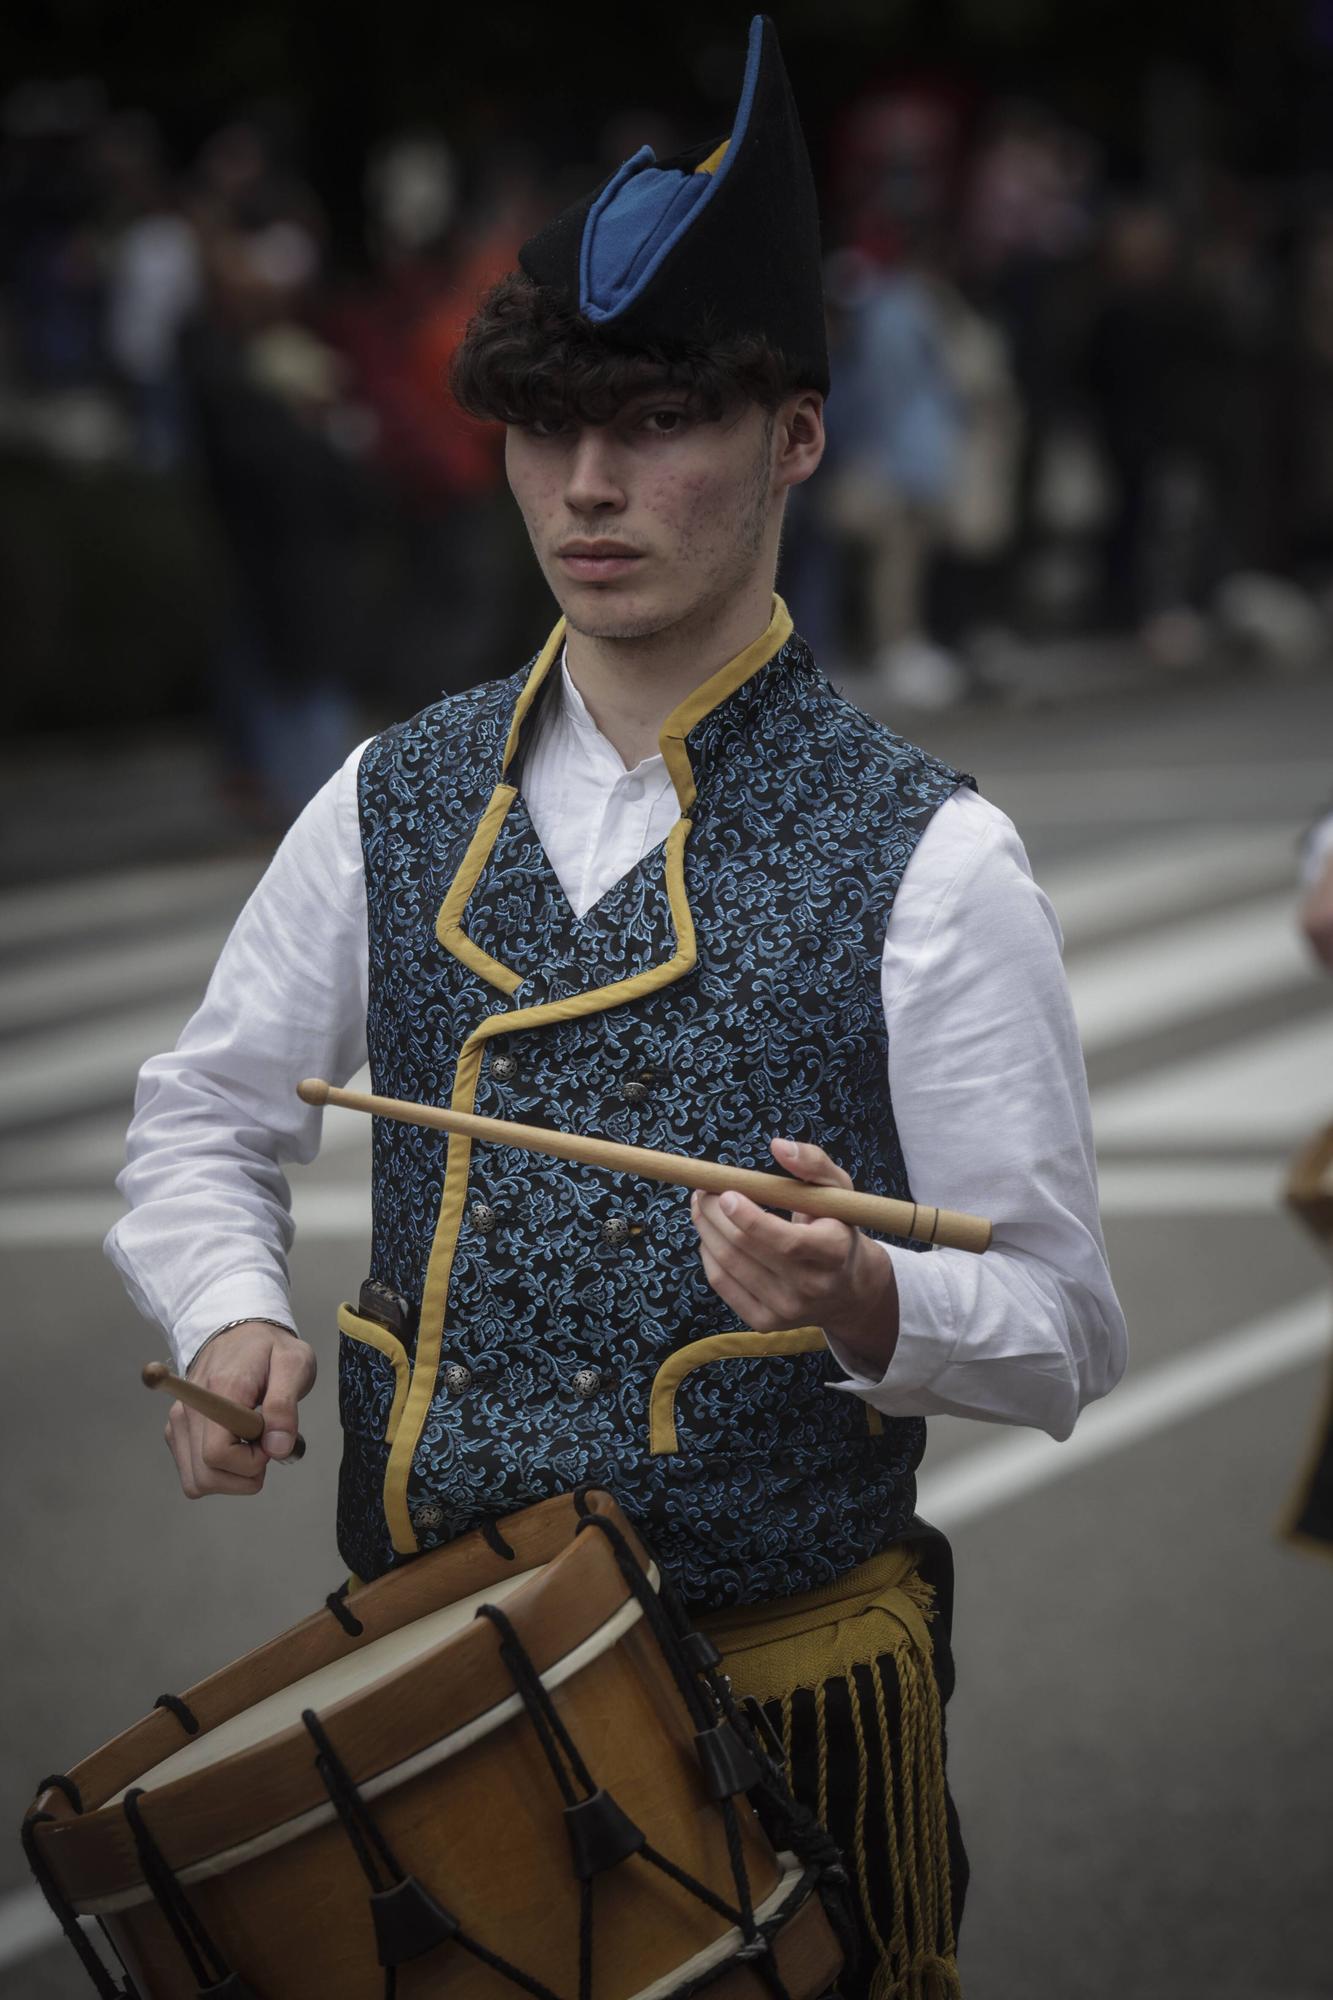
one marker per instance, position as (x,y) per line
(592,481)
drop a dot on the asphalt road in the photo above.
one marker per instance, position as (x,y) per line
(1141,1741)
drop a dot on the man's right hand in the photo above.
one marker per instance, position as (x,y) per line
(265,1369)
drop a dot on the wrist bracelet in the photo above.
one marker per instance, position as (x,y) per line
(250,1319)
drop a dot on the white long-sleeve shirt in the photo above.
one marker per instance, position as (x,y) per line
(984,1067)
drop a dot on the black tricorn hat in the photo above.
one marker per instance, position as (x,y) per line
(720,240)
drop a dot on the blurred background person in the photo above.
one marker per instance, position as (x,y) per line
(267,402)
(895,431)
(1309,1190)
(448,613)
(153,283)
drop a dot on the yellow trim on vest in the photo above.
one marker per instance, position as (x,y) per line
(714,160)
(662,1437)
(372,1334)
(712,694)
(541,666)
(597,999)
(698,1354)
(449,924)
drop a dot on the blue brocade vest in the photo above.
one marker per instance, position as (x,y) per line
(725,990)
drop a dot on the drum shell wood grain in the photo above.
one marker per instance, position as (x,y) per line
(483,1830)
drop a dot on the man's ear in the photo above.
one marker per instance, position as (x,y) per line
(799,438)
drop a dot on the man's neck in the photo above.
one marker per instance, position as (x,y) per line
(631,686)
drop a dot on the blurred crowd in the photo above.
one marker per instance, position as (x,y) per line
(1063,404)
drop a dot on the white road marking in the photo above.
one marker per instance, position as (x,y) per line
(73,1221)
(44,1075)
(1087,797)
(1142,881)
(976,1483)
(1203,1186)
(55,911)
(36,995)
(1269,1090)
(1141,985)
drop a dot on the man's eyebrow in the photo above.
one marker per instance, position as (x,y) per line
(656,394)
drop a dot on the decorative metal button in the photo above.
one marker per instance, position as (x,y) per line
(456,1376)
(586,1381)
(428,1519)
(504,1068)
(634,1089)
(615,1231)
(483,1217)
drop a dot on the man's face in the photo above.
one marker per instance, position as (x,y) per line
(646,522)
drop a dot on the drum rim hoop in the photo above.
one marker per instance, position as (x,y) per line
(93,1855)
(208,1867)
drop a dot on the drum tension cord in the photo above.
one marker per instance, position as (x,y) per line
(336,1602)
(186,1717)
(408,1921)
(732,1757)
(208,1968)
(61,1908)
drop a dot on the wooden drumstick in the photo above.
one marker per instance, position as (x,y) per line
(867,1211)
(247,1425)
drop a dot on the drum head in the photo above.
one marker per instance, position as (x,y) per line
(327,1685)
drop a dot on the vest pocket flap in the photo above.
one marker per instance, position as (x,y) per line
(373,1374)
(717,1347)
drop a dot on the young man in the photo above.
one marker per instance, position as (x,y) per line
(667,886)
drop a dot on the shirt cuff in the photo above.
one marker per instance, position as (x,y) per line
(927,1335)
(245,1295)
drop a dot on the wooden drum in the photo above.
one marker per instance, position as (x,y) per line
(506,1767)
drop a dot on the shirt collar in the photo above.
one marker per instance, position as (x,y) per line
(579,717)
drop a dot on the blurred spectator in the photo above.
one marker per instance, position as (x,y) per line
(1301,475)
(1316,913)
(1309,1193)
(293,502)
(1044,409)
(895,456)
(451,622)
(1144,342)
(152,283)
(1026,224)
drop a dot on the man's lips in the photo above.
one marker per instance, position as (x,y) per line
(594,562)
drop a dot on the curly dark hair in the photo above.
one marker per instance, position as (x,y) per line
(529,357)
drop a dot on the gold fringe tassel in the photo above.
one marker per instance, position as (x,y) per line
(868,1624)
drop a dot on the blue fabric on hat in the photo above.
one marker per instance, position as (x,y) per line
(644,209)
(650,206)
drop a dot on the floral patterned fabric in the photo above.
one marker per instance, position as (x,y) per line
(571,1285)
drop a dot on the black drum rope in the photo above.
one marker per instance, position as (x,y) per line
(668,1637)
(208,1968)
(336,1602)
(61,1908)
(692,1658)
(364,1834)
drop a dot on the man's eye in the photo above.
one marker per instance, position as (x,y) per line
(664,423)
(546,427)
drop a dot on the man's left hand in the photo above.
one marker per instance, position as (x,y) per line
(810,1271)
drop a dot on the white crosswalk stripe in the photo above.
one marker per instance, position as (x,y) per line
(68,911)
(34,994)
(1141,882)
(1139,986)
